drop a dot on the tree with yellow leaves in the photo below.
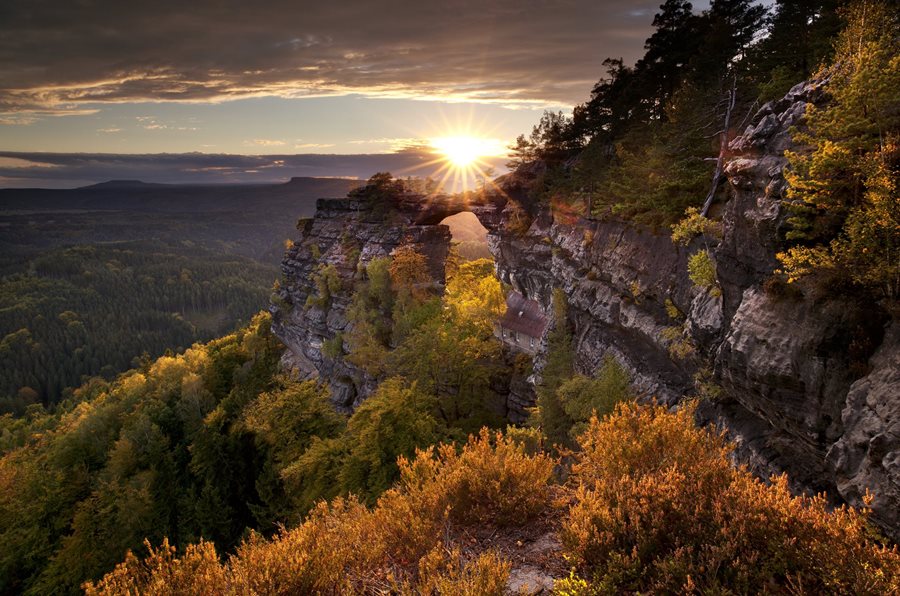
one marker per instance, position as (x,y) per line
(474,297)
(844,192)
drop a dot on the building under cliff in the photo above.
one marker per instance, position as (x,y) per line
(522,325)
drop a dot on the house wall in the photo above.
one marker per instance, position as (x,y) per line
(517,340)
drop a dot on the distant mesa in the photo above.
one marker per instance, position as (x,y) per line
(124,184)
(300,179)
(308,179)
(295,181)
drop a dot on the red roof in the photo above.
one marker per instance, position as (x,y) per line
(524,316)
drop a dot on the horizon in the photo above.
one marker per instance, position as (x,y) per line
(251,96)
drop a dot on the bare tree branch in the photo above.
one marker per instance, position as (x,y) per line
(723,145)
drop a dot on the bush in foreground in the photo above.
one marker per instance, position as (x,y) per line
(404,544)
(660,508)
(654,506)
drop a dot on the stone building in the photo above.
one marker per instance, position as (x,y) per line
(523,325)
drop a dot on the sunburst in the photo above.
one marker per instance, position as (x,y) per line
(462,158)
(464,149)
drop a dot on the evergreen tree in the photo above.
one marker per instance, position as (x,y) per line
(668,53)
(550,414)
(800,36)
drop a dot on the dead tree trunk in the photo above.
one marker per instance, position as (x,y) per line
(723,146)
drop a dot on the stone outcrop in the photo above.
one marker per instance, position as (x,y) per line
(346,234)
(807,385)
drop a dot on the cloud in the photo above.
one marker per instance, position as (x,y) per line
(15,164)
(22,169)
(56,55)
(151,123)
(24,117)
(266,143)
(394,144)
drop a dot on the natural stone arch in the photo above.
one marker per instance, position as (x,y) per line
(487,208)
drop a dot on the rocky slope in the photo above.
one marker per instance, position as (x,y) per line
(808,385)
(805,384)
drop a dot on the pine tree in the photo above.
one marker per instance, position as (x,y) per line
(800,37)
(550,415)
(669,51)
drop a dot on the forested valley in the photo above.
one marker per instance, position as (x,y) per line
(96,310)
(95,280)
(208,443)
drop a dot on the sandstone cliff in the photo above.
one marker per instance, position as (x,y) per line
(805,384)
(346,234)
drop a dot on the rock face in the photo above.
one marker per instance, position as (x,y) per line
(807,385)
(346,234)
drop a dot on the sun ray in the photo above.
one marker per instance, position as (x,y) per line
(464,156)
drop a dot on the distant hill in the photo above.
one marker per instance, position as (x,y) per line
(250,220)
(135,195)
(123,184)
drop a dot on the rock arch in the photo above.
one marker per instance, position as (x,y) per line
(486,207)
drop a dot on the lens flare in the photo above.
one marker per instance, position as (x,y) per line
(464,151)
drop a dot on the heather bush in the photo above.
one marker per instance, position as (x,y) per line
(403,545)
(493,479)
(660,508)
(161,573)
(445,572)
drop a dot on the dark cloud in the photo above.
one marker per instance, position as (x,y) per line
(66,170)
(58,54)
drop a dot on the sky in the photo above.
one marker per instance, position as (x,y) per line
(240,91)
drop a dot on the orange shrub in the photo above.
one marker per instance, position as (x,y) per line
(492,479)
(443,571)
(403,545)
(197,572)
(327,553)
(660,508)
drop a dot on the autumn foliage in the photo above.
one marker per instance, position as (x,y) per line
(660,508)
(845,191)
(655,506)
(405,544)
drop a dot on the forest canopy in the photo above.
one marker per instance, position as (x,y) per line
(67,314)
(214,441)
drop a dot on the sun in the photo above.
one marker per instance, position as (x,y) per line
(464,151)
(460,151)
